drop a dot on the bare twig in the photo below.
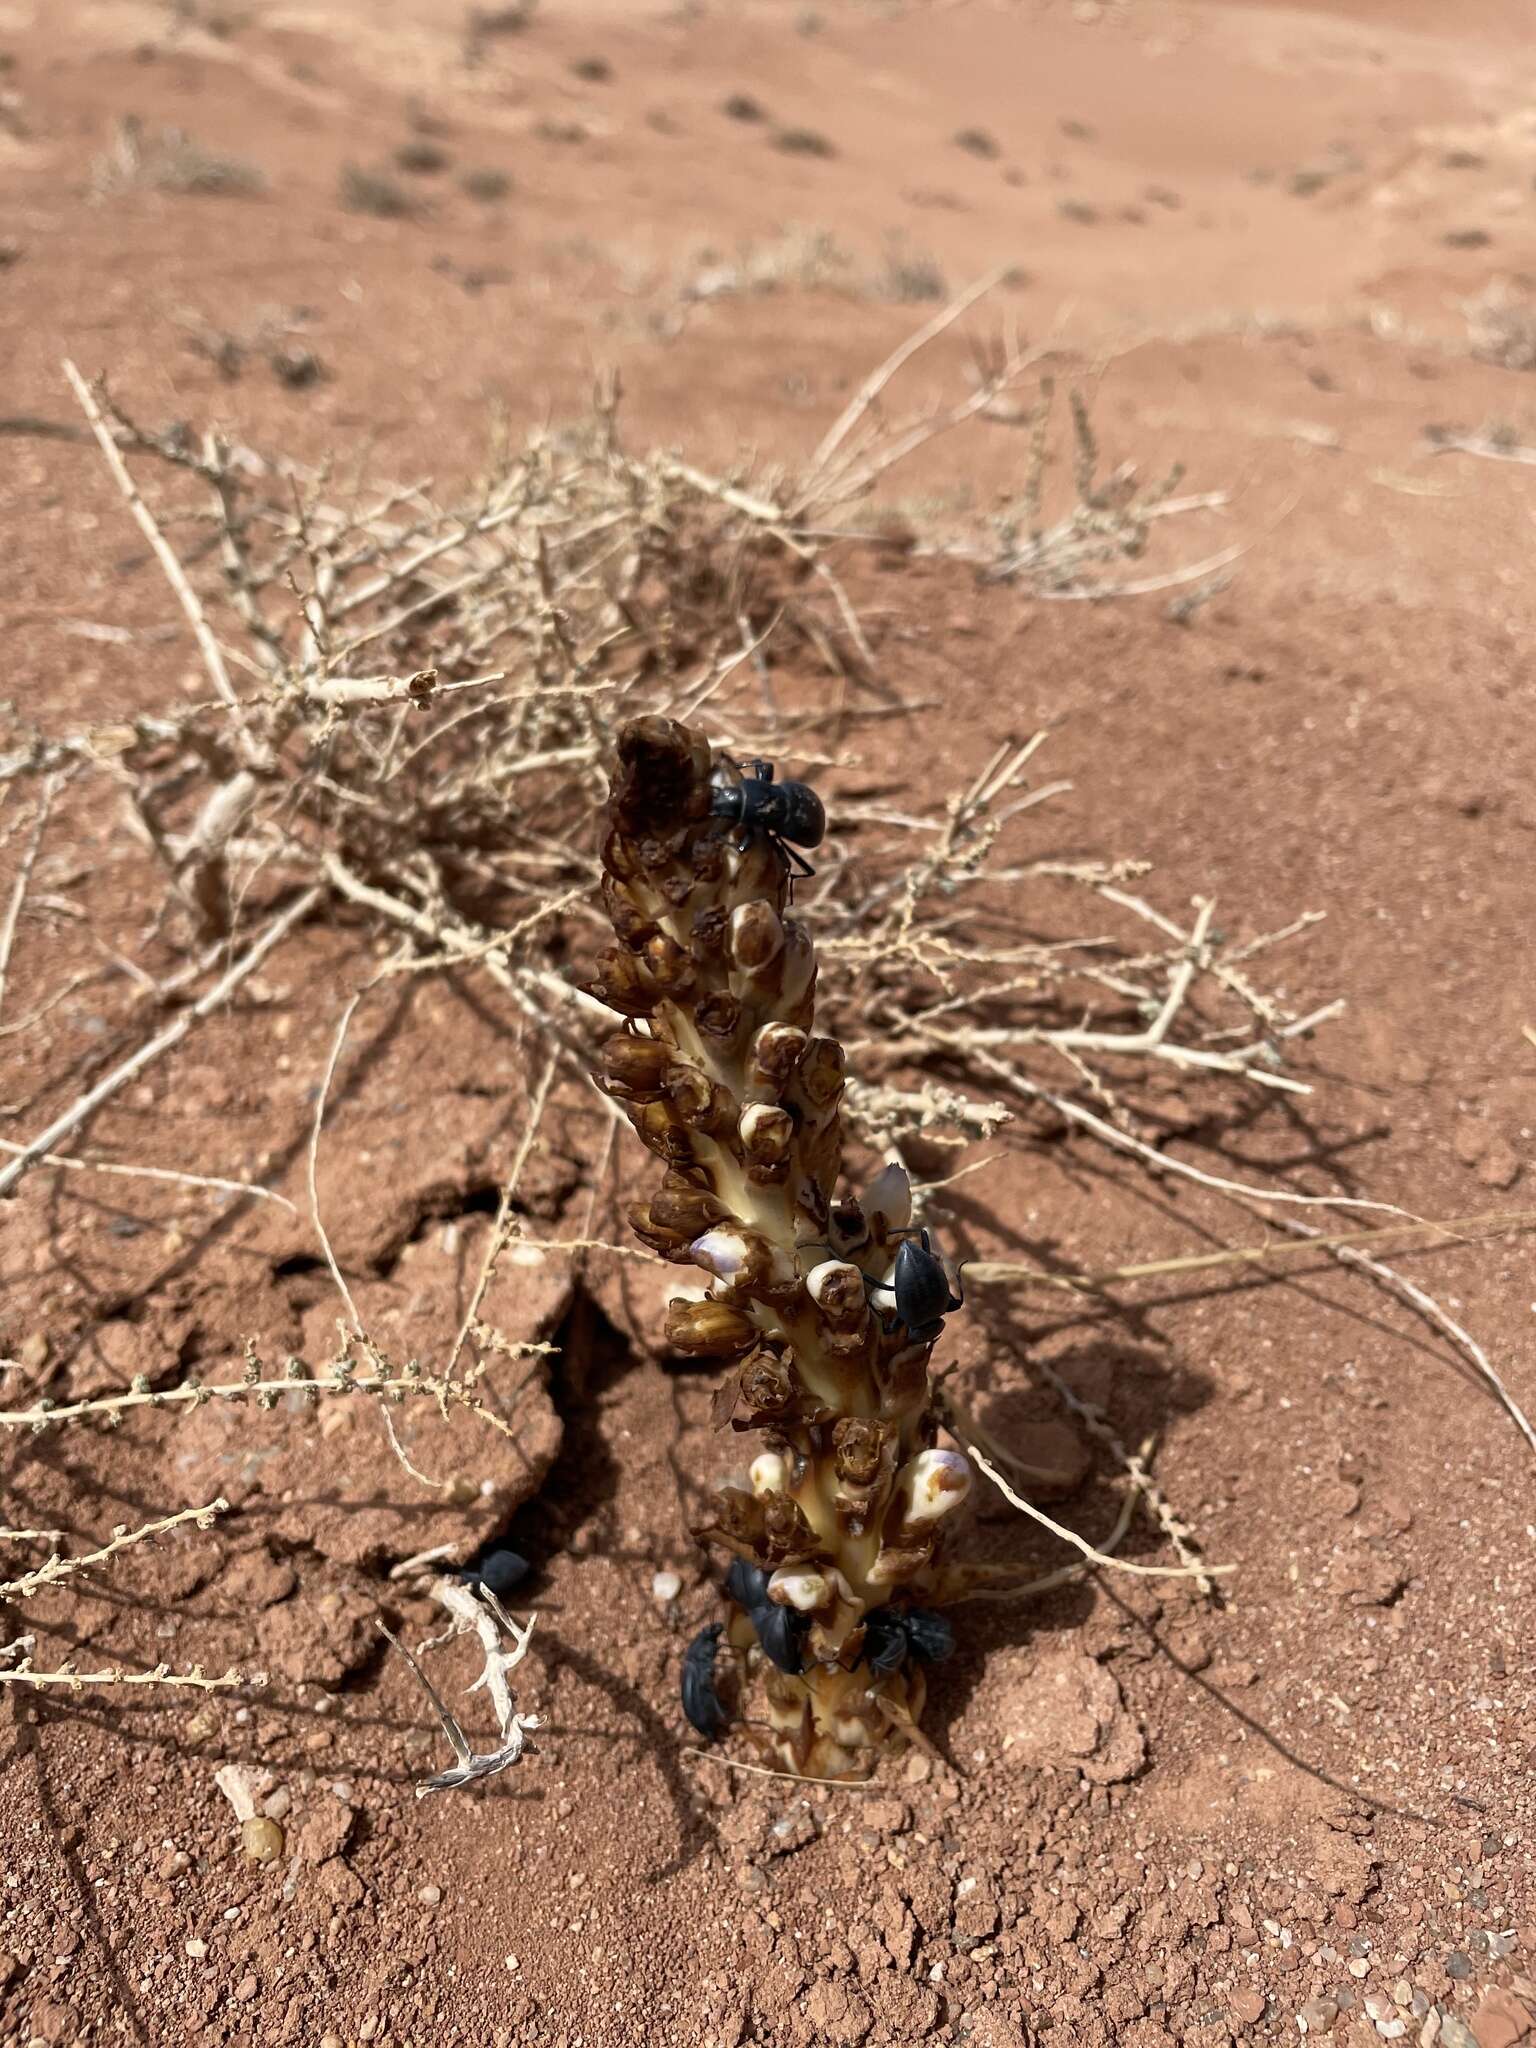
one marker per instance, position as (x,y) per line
(1081,1543)
(123,1538)
(12,915)
(161,1173)
(175,575)
(477,1610)
(86,1105)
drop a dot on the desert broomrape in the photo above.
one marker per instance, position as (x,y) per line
(823,1310)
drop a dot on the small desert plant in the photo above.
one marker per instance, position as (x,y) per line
(828,1312)
(487,185)
(375,192)
(421,156)
(804,142)
(169,160)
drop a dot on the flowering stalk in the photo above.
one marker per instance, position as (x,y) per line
(833,1538)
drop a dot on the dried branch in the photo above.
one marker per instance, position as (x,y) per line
(478,1611)
(1081,1543)
(86,1105)
(123,1538)
(12,914)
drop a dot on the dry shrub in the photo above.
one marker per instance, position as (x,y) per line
(170,160)
(407,723)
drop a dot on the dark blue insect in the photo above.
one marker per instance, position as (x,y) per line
(786,811)
(779,1629)
(746,1583)
(499,1571)
(921,1286)
(892,1634)
(701,1703)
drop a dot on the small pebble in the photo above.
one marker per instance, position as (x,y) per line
(1317,2016)
(261,1839)
(197,1949)
(1458,1965)
(665,1587)
(430,1895)
(1247,2007)
(276,1804)
(1359,1967)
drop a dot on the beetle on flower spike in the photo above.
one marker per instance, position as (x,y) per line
(790,813)
(823,1310)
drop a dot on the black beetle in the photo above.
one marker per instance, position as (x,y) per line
(746,1583)
(499,1571)
(701,1703)
(891,1634)
(780,1630)
(921,1286)
(786,811)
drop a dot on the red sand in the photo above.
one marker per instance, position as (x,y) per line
(1166,1821)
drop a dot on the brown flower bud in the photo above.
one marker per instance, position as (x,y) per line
(670,968)
(757,937)
(663,775)
(659,1130)
(903,1379)
(667,1244)
(619,983)
(709,857)
(718,1016)
(787,1535)
(899,1562)
(765,1390)
(749,1266)
(708,933)
(635,1068)
(701,1103)
(630,924)
(618,855)
(821,1072)
(770,1529)
(767,1132)
(858,1449)
(656,855)
(769,1385)
(688,1211)
(776,1052)
(708,1329)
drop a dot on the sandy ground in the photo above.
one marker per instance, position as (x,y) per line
(1290,249)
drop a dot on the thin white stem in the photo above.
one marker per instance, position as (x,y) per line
(86,1105)
(165,555)
(18,895)
(165,1173)
(1081,1543)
